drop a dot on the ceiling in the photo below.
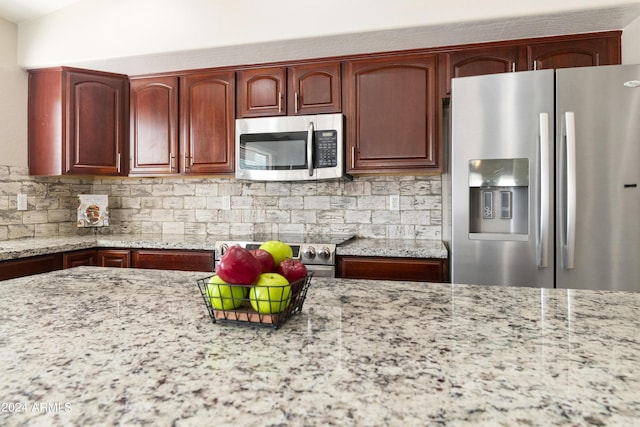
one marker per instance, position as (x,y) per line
(25,10)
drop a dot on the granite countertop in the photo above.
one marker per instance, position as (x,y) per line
(21,248)
(92,345)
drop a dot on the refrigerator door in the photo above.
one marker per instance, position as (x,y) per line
(501,153)
(598,193)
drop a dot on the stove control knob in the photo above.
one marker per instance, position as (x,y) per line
(324,253)
(223,248)
(309,252)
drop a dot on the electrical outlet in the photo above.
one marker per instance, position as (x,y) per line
(394,202)
(226,203)
(22,202)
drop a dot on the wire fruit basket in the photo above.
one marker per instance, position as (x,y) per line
(271,307)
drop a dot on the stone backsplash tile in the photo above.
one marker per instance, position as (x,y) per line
(196,206)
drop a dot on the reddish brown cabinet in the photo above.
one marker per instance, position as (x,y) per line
(170,259)
(383,268)
(11,269)
(207,123)
(579,50)
(391,114)
(154,126)
(478,61)
(312,88)
(114,258)
(77,122)
(80,258)
(603,50)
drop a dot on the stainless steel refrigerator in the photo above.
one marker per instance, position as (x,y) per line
(544,175)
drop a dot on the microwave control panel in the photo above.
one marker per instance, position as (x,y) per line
(326,149)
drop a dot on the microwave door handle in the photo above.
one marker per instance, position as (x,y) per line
(310,148)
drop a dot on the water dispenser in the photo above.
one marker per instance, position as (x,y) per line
(499,199)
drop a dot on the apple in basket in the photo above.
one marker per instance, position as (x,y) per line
(265,259)
(292,269)
(224,296)
(270,294)
(279,250)
(237,266)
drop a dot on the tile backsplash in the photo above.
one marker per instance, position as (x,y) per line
(221,206)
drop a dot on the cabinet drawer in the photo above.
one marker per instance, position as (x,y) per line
(28,266)
(381,268)
(173,259)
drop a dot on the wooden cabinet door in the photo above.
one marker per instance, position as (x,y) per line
(391,111)
(315,89)
(207,123)
(475,62)
(114,258)
(262,92)
(154,126)
(173,259)
(382,268)
(11,269)
(77,122)
(96,105)
(574,53)
(78,258)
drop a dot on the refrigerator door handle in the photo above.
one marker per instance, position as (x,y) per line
(543,202)
(570,238)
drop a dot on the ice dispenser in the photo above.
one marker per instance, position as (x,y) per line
(499,199)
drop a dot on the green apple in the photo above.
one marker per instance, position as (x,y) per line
(270,294)
(224,296)
(278,250)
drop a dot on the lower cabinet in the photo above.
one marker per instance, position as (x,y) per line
(11,269)
(114,258)
(382,268)
(98,257)
(79,258)
(168,259)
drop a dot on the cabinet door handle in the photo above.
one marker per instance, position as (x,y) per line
(295,103)
(118,163)
(279,102)
(353,157)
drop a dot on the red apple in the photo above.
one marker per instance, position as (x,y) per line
(237,266)
(292,270)
(265,259)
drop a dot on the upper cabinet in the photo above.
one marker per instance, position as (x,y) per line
(77,122)
(296,90)
(477,61)
(532,54)
(154,126)
(391,114)
(197,140)
(574,53)
(207,123)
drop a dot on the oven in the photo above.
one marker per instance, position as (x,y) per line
(318,253)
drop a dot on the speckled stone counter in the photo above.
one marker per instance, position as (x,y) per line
(21,248)
(394,248)
(100,346)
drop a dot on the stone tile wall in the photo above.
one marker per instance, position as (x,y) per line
(196,206)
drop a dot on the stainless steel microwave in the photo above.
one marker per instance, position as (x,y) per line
(290,148)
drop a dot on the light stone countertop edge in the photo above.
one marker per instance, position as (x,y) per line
(23,248)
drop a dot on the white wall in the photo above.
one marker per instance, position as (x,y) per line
(98,29)
(631,43)
(13,100)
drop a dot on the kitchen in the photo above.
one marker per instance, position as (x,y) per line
(169,205)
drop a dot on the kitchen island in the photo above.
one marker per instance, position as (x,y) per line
(92,345)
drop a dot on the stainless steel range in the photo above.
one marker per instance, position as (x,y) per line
(317,252)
